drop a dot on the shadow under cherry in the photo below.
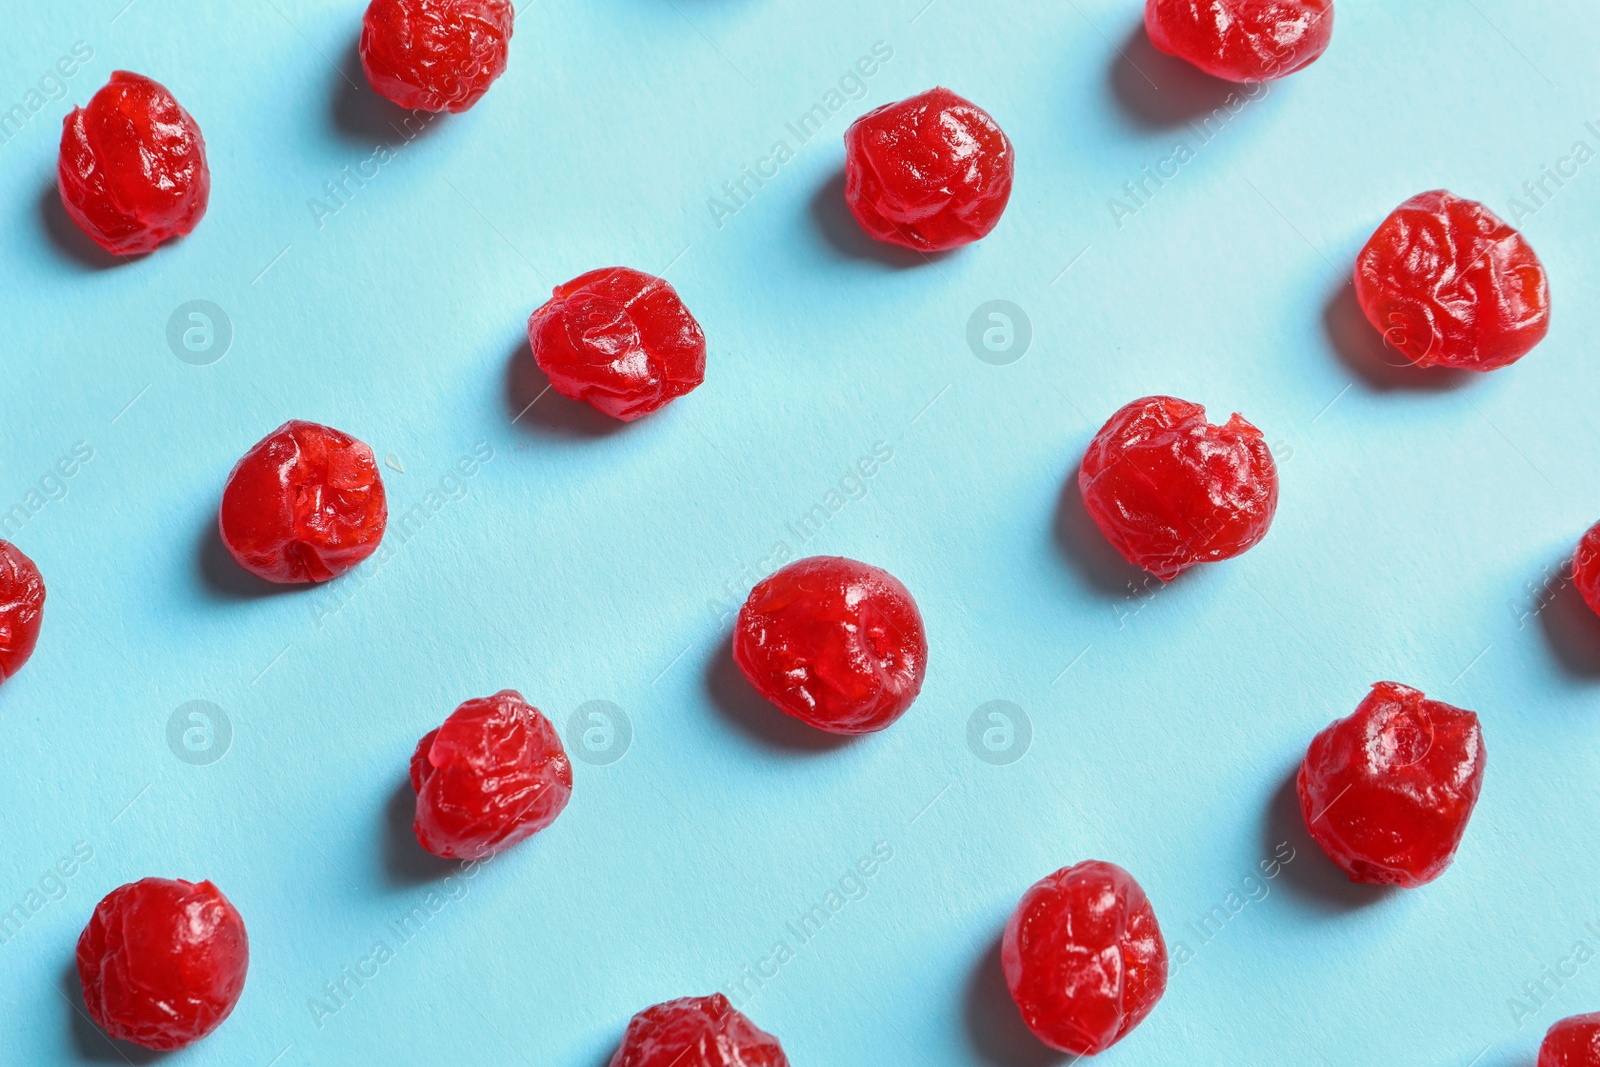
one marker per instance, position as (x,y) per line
(994,1025)
(737,701)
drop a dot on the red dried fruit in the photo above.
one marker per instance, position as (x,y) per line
(133,166)
(834,643)
(1170,490)
(162,962)
(697,1032)
(1242,40)
(1586,568)
(932,172)
(1387,792)
(1450,285)
(21,608)
(619,340)
(493,775)
(304,505)
(1572,1042)
(431,55)
(1084,958)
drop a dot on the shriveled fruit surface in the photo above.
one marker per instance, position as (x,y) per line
(1084,958)
(620,340)
(304,505)
(1242,40)
(1170,490)
(1387,792)
(436,55)
(133,169)
(697,1032)
(931,173)
(834,642)
(1449,284)
(493,775)
(163,962)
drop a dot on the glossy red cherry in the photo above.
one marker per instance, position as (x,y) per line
(697,1032)
(162,962)
(619,340)
(21,608)
(1169,489)
(1242,40)
(1450,285)
(1084,958)
(1586,568)
(304,505)
(433,55)
(493,775)
(930,173)
(1387,792)
(1572,1042)
(833,642)
(133,166)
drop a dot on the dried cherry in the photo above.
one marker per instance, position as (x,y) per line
(1084,958)
(1242,40)
(493,775)
(433,55)
(833,642)
(1586,568)
(304,505)
(1449,284)
(21,608)
(697,1032)
(619,340)
(133,167)
(932,172)
(1169,490)
(162,962)
(1572,1042)
(1387,792)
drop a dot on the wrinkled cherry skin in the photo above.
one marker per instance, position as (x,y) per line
(304,505)
(1450,285)
(619,340)
(433,55)
(833,642)
(697,1032)
(1084,958)
(1387,792)
(493,775)
(21,608)
(1586,568)
(1170,490)
(930,173)
(162,962)
(1242,40)
(133,167)
(1572,1042)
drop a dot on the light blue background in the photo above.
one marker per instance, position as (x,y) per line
(1420,522)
